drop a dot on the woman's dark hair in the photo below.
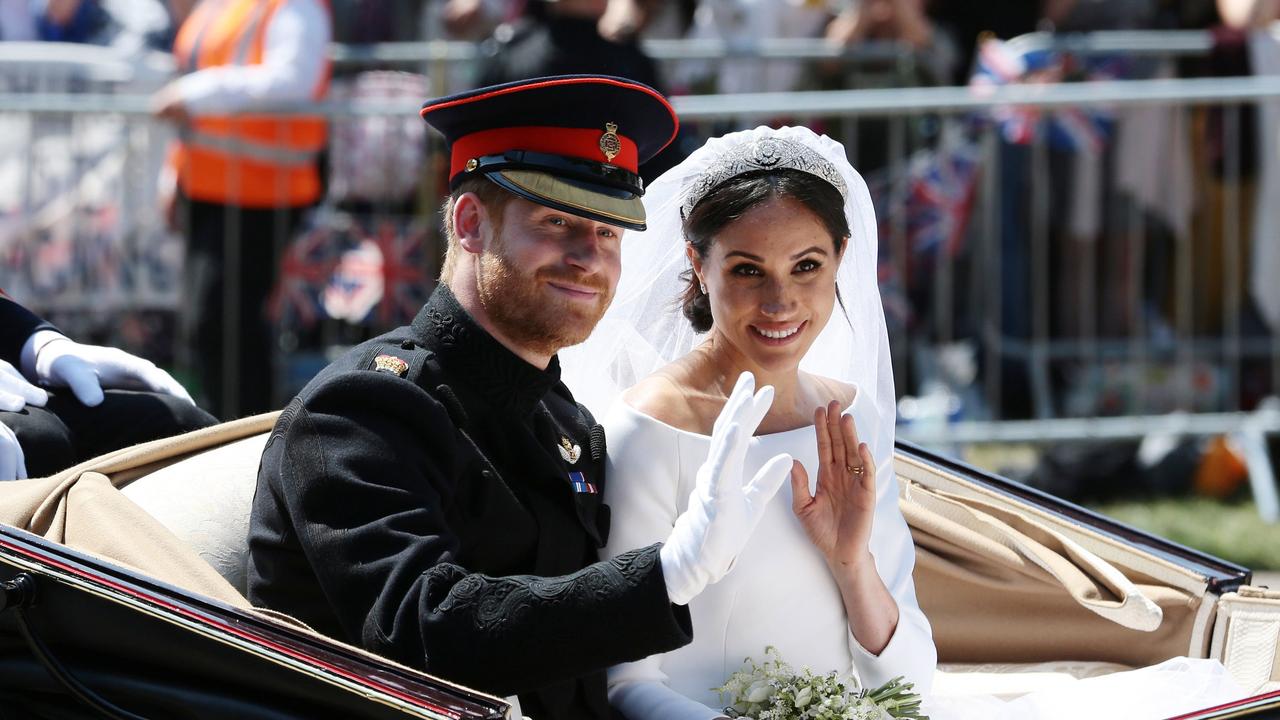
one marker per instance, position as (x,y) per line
(736,196)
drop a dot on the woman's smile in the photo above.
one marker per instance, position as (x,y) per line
(776,334)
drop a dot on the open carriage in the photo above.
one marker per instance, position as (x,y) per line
(123,581)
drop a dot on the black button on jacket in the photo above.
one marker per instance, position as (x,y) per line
(434,498)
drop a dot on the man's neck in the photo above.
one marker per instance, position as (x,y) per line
(469,298)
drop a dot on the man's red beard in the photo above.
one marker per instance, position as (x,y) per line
(521,306)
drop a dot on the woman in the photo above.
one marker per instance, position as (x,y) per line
(760,257)
(775,220)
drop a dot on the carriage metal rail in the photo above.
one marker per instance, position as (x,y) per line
(831,103)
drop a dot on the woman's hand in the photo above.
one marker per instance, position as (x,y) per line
(838,516)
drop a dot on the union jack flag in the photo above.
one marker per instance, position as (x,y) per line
(404,271)
(355,287)
(999,63)
(355,270)
(304,272)
(941,188)
(929,204)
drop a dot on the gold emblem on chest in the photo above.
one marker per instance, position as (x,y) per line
(569,451)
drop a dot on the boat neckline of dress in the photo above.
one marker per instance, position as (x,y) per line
(682,431)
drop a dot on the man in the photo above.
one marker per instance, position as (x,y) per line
(434,495)
(236,184)
(42,433)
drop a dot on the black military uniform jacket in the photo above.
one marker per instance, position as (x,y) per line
(434,498)
(16,325)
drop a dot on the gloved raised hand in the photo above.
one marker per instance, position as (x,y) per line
(724,506)
(87,369)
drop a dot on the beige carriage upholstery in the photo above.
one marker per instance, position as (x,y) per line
(1006,585)
(83,508)
(1246,637)
(1018,598)
(205,500)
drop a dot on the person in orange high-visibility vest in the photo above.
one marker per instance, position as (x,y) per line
(236,181)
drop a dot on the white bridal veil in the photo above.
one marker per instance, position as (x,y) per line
(644,328)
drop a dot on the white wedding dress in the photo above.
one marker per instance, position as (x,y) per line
(779,591)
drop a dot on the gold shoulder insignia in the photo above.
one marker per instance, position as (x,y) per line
(390,364)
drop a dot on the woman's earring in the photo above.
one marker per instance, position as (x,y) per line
(703,286)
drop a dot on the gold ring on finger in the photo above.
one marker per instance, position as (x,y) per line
(857,470)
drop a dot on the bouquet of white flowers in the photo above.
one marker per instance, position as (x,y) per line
(773,691)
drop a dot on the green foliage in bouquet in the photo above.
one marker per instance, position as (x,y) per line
(772,690)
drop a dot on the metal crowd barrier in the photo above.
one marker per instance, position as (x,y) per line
(1011,324)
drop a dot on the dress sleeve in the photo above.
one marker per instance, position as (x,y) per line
(643,486)
(368,468)
(910,652)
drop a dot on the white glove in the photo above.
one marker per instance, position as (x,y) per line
(87,369)
(15,392)
(723,507)
(13,464)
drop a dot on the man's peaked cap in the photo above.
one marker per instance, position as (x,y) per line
(570,142)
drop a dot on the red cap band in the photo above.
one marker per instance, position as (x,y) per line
(570,142)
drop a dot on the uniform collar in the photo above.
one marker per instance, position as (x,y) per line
(469,352)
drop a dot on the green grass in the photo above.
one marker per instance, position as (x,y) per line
(1230,530)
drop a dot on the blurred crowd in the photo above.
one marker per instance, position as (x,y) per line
(602,33)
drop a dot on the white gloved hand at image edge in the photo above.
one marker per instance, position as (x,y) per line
(88,369)
(13,464)
(724,507)
(15,392)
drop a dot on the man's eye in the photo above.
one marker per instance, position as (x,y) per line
(606,232)
(746,270)
(556,220)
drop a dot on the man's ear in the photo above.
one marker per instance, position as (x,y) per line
(470,222)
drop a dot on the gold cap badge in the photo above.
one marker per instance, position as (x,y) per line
(390,364)
(610,145)
(569,451)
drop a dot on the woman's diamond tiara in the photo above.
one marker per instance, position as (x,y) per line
(764,154)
